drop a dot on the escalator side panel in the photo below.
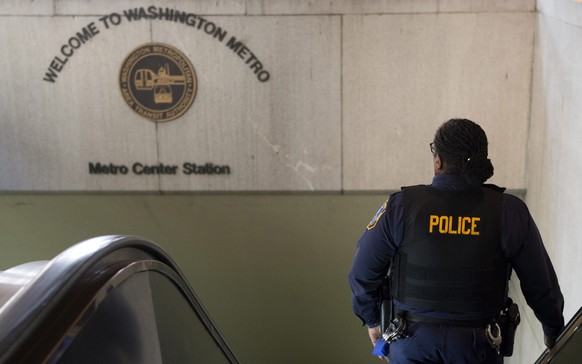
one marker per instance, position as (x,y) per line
(144,314)
(122,329)
(183,336)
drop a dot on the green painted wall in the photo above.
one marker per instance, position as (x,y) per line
(271,269)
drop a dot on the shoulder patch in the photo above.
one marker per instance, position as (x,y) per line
(376,217)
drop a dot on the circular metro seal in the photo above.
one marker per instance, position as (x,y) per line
(158,82)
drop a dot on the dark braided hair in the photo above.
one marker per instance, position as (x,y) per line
(462,147)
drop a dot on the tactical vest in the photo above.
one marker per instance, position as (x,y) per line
(451,258)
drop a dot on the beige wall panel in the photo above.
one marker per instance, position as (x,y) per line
(77,7)
(555,152)
(283,134)
(341,6)
(403,75)
(483,6)
(385,6)
(51,131)
(19,7)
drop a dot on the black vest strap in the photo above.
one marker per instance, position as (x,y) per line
(451,258)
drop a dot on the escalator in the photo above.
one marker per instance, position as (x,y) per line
(111,299)
(568,348)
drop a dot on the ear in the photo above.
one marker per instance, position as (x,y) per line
(438,164)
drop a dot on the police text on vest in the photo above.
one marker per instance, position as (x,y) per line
(458,225)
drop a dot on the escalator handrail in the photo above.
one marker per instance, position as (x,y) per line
(567,333)
(36,301)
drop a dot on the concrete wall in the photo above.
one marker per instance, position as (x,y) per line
(348,82)
(270,134)
(554,168)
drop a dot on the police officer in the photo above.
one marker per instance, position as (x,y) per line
(451,247)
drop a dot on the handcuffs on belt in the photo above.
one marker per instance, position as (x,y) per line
(493,335)
(396,330)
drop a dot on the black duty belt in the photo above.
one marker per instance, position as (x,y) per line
(410,317)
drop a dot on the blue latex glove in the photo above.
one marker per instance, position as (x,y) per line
(381,348)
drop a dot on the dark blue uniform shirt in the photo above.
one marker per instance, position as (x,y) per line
(520,240)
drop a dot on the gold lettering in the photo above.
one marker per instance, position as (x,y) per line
(474,221)
(451,231)
(434,221)
(465,225)
(465,230)
(443,225)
